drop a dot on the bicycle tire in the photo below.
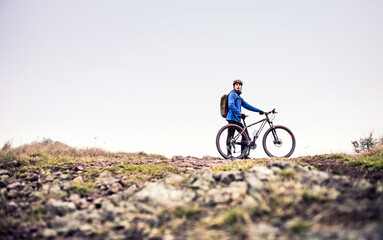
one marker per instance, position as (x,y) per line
(271,147)
(221,142)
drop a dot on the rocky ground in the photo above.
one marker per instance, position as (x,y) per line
(145,196)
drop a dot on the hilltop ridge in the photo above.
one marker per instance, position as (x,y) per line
(50,190)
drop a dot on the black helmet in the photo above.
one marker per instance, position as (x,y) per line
(237,81)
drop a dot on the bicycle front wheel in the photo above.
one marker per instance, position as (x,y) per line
(279,141)
(232,142)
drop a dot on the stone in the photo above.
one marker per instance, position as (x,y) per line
(56,191)
(87,229)
(14,194)
(129,192)
(80,203)
(226,177)
(65,176)
(12,164)
(57,207)
(49,233)
(106,178)
(217,196)
(78,180)
(36,195)
(80,168)
(11,206)
(33,177)
(15,186)
(262,173)
(174,179)
(159,194)
(255,184)
(202,181)
(177,158)
(110,212)
(264,230)
(114,188)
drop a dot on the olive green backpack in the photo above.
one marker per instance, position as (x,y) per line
(225,104)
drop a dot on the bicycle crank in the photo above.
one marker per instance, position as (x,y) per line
(253,145)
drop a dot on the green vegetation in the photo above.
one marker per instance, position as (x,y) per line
(300,226)
(82,189)
(337,156)
(187,211)
(242,165)
(372,159)
(309,196)
(288,173)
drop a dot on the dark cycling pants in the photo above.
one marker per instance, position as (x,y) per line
(231,134)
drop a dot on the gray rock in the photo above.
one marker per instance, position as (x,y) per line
(202,181)
(159,194)
(262,173)
(12,164)
(49,233)
(57,207)
(226,177)
(106,178)
(36,195)
(15,186)
(255,184)
(110,212)
(78,180)
(65,176)
(12,194)
(264,230)
(114,188)
(80,203)
(88,230)
(174,179)
(11,206)
(129,192)
(56,191)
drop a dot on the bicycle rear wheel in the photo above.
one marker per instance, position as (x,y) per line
(232,142)
(279,141)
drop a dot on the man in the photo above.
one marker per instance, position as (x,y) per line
(235,102)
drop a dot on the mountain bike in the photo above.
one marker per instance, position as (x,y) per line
(234,141)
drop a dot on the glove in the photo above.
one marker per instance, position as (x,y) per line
(243,116)
(261,112)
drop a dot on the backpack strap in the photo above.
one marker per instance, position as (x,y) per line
(236,95)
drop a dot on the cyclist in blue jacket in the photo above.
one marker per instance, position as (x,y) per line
(235,103)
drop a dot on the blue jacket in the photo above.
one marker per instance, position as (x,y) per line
(235,105)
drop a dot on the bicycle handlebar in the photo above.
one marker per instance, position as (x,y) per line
(272,111)
(266,113)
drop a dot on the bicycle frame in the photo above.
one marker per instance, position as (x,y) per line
(263,121)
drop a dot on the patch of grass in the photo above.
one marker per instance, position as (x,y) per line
(241,165)
(91,173)
(287,173)
(309,196)
(335,171)
(82,189)
(36,214)
(372,159)
(187,211)
(7,156)
(300,227)
(150,169)
(337,156)
(6,223)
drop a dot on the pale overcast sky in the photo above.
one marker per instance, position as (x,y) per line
(148,75)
